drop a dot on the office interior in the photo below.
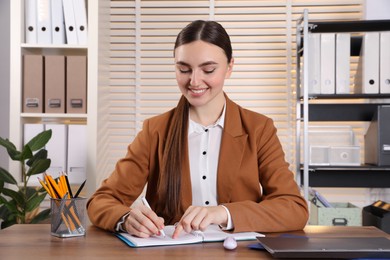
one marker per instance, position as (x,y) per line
(131,74)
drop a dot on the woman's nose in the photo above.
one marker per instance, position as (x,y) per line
(195,78)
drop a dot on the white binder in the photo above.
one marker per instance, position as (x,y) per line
(77,153)
(30,131)
(30,11)
(70,22)
(57,22)
(44,21)
(314,63)
(343,50)
(80,13)
(56,149)
(384,74)
(328,46)
(367,75)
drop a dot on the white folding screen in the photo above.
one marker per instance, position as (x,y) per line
(142,80)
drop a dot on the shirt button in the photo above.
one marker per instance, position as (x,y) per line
(204,177)
(207,202)
(206,130)
(204,152)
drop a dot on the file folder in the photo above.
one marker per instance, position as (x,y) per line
(70,22)
(44,21)
(367,74)
(76,84)
(328,63)
(343,50)
(77,152)
(30,131)
(32,84)
(57,149)
(384,74)
(57,22)
(314,63)
(80,13)
(54,84)
(30,12)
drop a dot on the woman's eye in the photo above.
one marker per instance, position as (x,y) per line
(209,71)
(184,71)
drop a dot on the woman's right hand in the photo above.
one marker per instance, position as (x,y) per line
(143,222)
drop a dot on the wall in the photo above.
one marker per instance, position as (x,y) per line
(4,76)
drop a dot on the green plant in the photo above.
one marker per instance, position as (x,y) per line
(19,203)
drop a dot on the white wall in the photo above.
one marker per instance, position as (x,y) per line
(4,76)
(376,9)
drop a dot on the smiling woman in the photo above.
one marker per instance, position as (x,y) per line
(207,161)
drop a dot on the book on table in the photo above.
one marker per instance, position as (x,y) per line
(212,234)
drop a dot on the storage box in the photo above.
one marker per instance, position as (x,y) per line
(341,214)
(377,215)
(334,155)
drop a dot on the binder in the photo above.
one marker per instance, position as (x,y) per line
(367,74)
(30,131)
(343,50)
(44,21)
(30,12)
(57,22)
(80,13)
(76,84)
(328,46)
(77,151)
(384,73)
(56,149)
(70,22)
(54,84)
(32,84)
(314,63)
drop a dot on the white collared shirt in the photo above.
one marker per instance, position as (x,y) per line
(204,144)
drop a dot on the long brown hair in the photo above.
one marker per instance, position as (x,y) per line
(175,150)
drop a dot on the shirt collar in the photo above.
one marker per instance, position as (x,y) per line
(198,128)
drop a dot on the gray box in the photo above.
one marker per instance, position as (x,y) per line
(341,214)
(377,138)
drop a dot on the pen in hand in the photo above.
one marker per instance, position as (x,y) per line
(145,202)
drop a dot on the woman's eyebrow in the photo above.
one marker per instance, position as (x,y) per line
(201,65)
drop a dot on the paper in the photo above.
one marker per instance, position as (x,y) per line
(212,234)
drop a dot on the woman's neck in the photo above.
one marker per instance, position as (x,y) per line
(208,114)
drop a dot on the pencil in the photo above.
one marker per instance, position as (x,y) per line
(79,190)
(68,185)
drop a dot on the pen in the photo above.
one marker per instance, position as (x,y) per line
(145,202)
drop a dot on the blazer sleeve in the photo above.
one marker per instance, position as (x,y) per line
(279,206)
(117,193)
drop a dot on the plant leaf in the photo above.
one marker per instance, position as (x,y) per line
(41,154)
(40,140)
(16,196)
(34,202)
(39,166)
(44,214)
(11,148)
(7,177)
(26,153)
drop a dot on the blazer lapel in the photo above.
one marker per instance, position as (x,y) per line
(232,150)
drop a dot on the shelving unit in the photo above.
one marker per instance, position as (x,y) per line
(335,108)
(98,15)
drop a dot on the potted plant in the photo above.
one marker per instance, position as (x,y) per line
(19,203)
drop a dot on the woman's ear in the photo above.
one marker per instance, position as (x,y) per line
(230,68)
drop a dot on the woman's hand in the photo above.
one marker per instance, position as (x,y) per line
(143,222)
(199,218)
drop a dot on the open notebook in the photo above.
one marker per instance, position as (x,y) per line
(212,234)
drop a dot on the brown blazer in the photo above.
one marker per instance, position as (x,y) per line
(253,179)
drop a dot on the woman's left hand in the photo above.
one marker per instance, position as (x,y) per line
(199,218)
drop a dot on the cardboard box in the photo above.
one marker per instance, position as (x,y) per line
(341,214)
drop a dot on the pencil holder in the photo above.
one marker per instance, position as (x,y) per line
(68,217)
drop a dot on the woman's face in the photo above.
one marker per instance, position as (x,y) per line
(201,69)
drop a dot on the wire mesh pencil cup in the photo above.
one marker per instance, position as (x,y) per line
(68,217)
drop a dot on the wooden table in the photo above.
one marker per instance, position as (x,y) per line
(35,242)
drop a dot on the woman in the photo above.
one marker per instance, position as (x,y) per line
(207,161)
